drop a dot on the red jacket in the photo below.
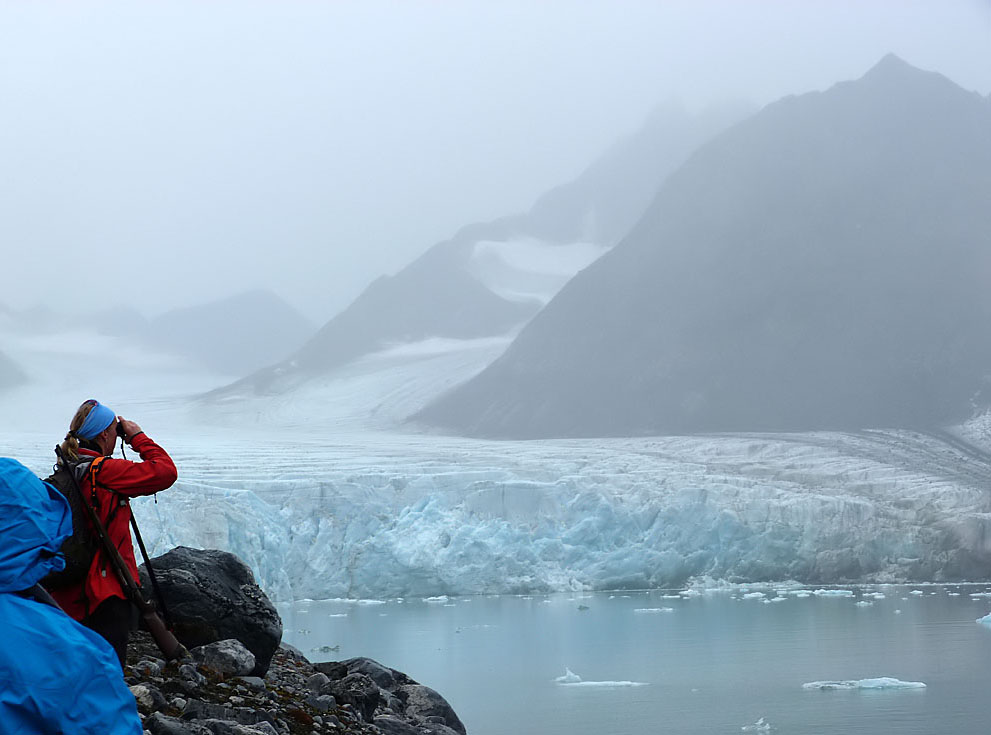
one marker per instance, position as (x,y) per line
(125,479)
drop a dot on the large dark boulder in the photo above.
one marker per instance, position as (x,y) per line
(212,596)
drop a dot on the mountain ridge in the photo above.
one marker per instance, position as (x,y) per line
(779,232)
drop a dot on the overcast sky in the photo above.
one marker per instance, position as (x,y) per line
(163,154)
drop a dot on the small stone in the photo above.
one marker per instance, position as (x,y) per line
(317,682)
(148,698)
(256,683)
(322,702)
(188,672)
(227,657)
(147,667)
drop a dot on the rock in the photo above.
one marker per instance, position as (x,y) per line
(149,699)
(149,666)
(318,682)
(321,702)
(189,673)
(223,727)
(228,657)
(359,691)
(254,683)
(381,675)
(293,699)
(159,724)
(197,709)
(424,702)
(395,726)
(212,596)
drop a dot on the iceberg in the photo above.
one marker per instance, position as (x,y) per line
(571,679)
(884,682)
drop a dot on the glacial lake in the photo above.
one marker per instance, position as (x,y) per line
(754,659)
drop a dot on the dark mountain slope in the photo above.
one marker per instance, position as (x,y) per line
(825,264)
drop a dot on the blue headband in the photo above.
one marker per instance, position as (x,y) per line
(99,418)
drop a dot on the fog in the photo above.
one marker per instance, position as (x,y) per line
(162,155)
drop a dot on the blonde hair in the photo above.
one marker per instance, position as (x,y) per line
(70,445)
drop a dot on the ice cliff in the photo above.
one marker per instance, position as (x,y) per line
(450,516)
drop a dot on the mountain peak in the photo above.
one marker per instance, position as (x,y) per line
(892,69)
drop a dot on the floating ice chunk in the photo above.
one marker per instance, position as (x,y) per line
(761,725)
(878,596)
(833,593)
(754,596)
(439,599)
(976,595)
(883,682)
(986,620)
(898,612)
(864,603)
(778,599)
(570,677)
(337,615)
(371,602)
(653,610)
(917,592)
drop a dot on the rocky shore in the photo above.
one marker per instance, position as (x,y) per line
(212,695)
(241,680)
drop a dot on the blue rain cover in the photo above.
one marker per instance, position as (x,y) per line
(56,676)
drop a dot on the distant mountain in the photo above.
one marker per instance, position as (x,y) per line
(824,264)
(10,373)
(236,335)
(491,278)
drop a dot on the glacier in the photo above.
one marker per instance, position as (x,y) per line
(326,493)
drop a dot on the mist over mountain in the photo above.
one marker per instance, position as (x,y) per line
(10,373)
(823,264)
(235,335)
(491,278)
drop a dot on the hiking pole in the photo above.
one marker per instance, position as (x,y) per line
(167,643)
(151,572)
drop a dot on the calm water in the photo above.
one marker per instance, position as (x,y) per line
(715,663)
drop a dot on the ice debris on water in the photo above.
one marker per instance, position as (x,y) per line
(761,725)
(571,679)
(653,609)
(883,682)
(986,620)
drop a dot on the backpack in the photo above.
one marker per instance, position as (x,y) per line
(80,548)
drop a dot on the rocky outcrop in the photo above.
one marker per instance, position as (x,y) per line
(212,596)
(204,696)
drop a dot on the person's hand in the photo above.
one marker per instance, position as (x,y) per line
(129,428)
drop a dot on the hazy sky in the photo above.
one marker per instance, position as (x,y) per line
(169,153)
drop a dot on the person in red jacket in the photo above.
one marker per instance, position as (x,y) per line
(99,602)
